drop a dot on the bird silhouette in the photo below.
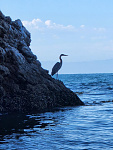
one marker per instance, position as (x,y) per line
(57,66)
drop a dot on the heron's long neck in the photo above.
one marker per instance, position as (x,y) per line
(60,60)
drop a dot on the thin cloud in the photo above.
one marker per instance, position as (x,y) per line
(98,38)
(82,26)
(99,29)
(52,25)
(48,24)
(34,24)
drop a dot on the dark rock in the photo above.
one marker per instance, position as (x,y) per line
(2,92)
(24,85)
(8,19)
(1,15)
(2,32)
(4,70)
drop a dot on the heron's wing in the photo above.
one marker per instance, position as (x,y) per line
(55,68)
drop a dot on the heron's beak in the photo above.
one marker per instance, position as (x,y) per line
(65,55)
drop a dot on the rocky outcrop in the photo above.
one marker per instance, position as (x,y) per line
(24,85)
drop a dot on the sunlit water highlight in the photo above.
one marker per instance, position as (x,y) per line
(69,128)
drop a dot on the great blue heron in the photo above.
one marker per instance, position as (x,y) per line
(57,66)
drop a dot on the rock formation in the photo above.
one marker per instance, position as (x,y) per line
(24,85)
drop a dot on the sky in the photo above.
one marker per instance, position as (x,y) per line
(82,29)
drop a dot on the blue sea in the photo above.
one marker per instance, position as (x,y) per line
(88,127)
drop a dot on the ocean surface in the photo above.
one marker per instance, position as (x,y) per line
(88,127)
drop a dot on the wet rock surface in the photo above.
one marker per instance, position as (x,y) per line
(24,85)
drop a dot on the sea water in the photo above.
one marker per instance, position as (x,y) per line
(88,127)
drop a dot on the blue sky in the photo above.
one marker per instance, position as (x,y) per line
(83,29)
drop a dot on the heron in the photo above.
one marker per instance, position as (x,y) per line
(57,66)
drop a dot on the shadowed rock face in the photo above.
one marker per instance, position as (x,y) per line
(24,85)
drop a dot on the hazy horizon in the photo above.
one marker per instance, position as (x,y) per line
(98,66)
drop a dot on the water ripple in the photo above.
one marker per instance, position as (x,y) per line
(68,128)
